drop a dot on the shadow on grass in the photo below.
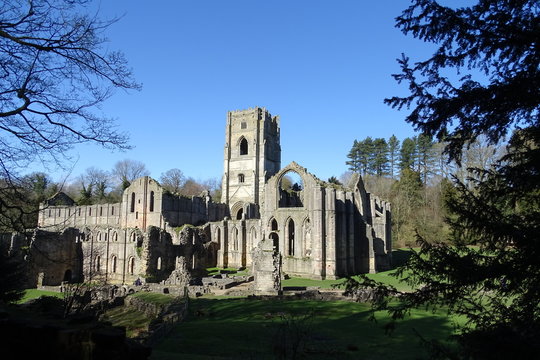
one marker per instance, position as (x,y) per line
(244,329)
(400,257)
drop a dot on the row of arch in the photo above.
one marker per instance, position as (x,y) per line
(78,211)
(103,236)
(237,243)
(98,265)
(290,241)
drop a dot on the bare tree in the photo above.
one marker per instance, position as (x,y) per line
(55,72)
(127,170)
(192,188)
(172,180)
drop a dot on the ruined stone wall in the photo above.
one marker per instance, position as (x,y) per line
(144,203)
(56,218)
(112,255)
(53,258)
(235,241)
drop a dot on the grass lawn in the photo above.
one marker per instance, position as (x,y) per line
(384,277)
(211,271)
(399,257)
(134,321)
(30,294)
(155,298)
(253,329)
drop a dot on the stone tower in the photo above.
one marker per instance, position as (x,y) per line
(252,155)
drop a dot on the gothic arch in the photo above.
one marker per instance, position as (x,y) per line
(114,263)
(290,236)
(131,265)
(237,210)
(273,224)
(290,186)
(243,146)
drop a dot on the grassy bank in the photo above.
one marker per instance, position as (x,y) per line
(261,329)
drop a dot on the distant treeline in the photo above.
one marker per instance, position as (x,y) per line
(415,175)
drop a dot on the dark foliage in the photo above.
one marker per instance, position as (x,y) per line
(493,46)
(12,277)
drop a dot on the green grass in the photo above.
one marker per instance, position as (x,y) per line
(384,277)
(134,321)
(30,294)
(211,271)
(399,257)
(155,298)
(248,329)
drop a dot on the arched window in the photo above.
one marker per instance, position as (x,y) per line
(273,225)
(99,236)
(89,211)
(158,263)
(113,263)
(241,178)
(275,240)
(112,210)
(235,239)
(131,265)
(133,236)
(98,263)
(243,147)
(218,237)
(101,211)
(115,236)
(290,190)
(290,228)
(151,201)
(132,202)
(239,214)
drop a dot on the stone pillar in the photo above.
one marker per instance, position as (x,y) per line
(330,269)
(266,269)
(341,233)
(351,258)
(318,234)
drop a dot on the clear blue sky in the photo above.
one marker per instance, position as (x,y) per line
(323,66)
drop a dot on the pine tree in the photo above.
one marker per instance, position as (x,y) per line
(493,45)
(353,162)
(407,154)
(379,158)
(393,148)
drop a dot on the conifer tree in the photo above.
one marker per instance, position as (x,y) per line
(493,45)
(393,148)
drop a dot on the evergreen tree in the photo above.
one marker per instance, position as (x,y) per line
(393,148)
(496,286)
(424,155)
(379,157)
(365,154)
(353,163)
(407,154)
(334,180)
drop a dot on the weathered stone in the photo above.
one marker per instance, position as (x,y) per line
(317,229)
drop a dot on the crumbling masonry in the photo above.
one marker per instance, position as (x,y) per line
(319,230)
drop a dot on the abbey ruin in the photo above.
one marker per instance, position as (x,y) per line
(320,230)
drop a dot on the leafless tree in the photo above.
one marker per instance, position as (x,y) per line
(127,170)
(55,71)
(172,180)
